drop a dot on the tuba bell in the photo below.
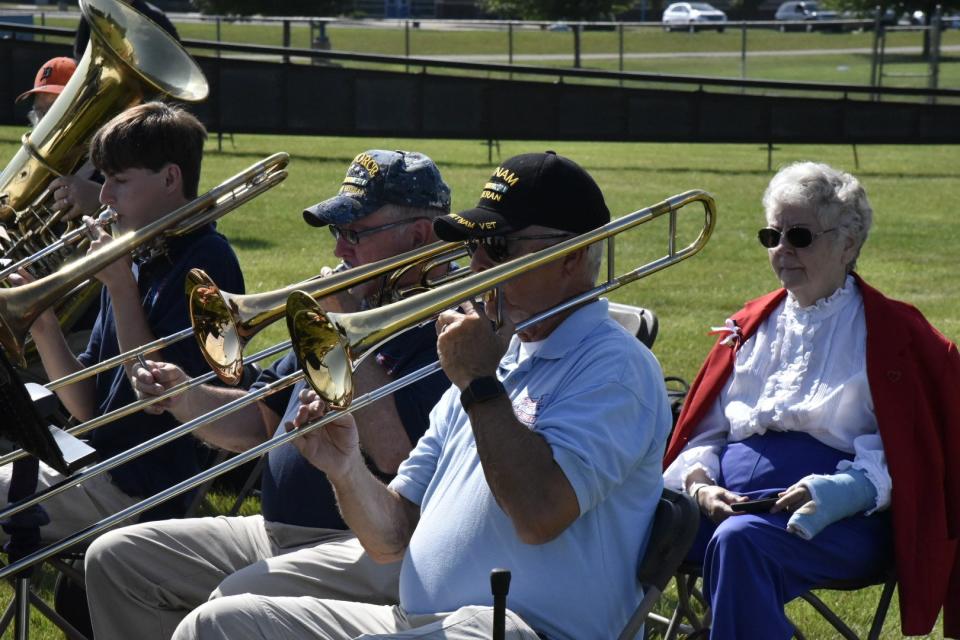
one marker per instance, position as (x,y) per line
(127,59)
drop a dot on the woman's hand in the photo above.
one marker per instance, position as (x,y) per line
(715,502)
(792,499)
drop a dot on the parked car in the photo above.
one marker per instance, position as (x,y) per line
(947,20)
(802,13)
(693,16)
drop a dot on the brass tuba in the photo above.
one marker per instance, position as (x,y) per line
(128,57)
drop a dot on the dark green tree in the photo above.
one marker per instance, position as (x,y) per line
(554,9)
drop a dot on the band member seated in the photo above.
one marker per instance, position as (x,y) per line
(150,156)
(837,402)
(144,579)
(544,456)
(75,195)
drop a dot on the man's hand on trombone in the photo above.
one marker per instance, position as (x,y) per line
(155,379)
(46,323)
(468,346)
(118,272)
(335,447)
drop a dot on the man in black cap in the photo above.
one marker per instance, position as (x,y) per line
(543,457)
(143,579)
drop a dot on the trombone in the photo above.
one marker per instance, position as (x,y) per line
(220,318)
(225,322)
(20,306)
(306,320)
(329,346)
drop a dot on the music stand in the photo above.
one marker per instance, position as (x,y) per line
(23,428)
(27,410)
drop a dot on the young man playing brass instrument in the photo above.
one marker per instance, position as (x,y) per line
(142,580)
(150,156)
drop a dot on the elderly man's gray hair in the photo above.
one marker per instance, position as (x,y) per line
(837,198)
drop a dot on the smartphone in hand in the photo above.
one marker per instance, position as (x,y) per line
(754,506)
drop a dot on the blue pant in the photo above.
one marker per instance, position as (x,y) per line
(752,566)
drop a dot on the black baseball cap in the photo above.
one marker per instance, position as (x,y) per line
(376,178)
(530,189)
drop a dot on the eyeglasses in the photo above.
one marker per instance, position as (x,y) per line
(497,248)
(353,237)
(797,237)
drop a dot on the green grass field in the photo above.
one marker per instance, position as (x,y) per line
(911,253)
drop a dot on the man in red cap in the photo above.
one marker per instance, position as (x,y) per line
(75,195)
(50,81)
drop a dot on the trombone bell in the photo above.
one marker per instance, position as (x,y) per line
(214,327)
(322,350)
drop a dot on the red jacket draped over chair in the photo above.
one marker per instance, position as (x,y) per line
(914,375)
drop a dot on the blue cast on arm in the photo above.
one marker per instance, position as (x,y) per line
(835,497)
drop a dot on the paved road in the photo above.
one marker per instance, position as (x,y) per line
(51,11)
(680,54)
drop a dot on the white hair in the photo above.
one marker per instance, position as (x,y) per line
(396,212)
(594,255)
(837,198)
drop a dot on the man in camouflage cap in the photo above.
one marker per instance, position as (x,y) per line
(396,191)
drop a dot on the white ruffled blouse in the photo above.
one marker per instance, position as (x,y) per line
(803,370)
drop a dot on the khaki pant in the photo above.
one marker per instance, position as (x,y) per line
(73,509)
(290,618)
(144,579)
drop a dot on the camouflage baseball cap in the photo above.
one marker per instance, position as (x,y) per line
(376,178)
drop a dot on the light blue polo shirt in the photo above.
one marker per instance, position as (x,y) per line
(596,394)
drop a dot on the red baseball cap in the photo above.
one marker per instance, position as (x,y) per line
(52,77)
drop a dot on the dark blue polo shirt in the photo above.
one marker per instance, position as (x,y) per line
(294,491)
(161,283)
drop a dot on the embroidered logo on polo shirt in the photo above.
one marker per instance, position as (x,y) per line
(526,409)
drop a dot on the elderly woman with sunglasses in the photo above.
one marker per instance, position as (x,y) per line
(840,405)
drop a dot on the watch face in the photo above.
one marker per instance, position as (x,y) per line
(486,388)
(481,390)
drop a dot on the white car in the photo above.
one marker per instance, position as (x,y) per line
(692,16)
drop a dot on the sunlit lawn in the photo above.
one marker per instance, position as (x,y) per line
(910,254)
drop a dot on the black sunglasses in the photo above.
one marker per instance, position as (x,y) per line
(797,237)
(353,237)
(497,248)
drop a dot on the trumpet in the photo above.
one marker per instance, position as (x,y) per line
(225,322)
(361,334)
(20,307)
(330,346)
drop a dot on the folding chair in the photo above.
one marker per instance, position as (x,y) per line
(69,593)
(687,622)
(674,529)
(889,581)
(640,322)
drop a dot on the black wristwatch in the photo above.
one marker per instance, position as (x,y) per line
(481,390)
